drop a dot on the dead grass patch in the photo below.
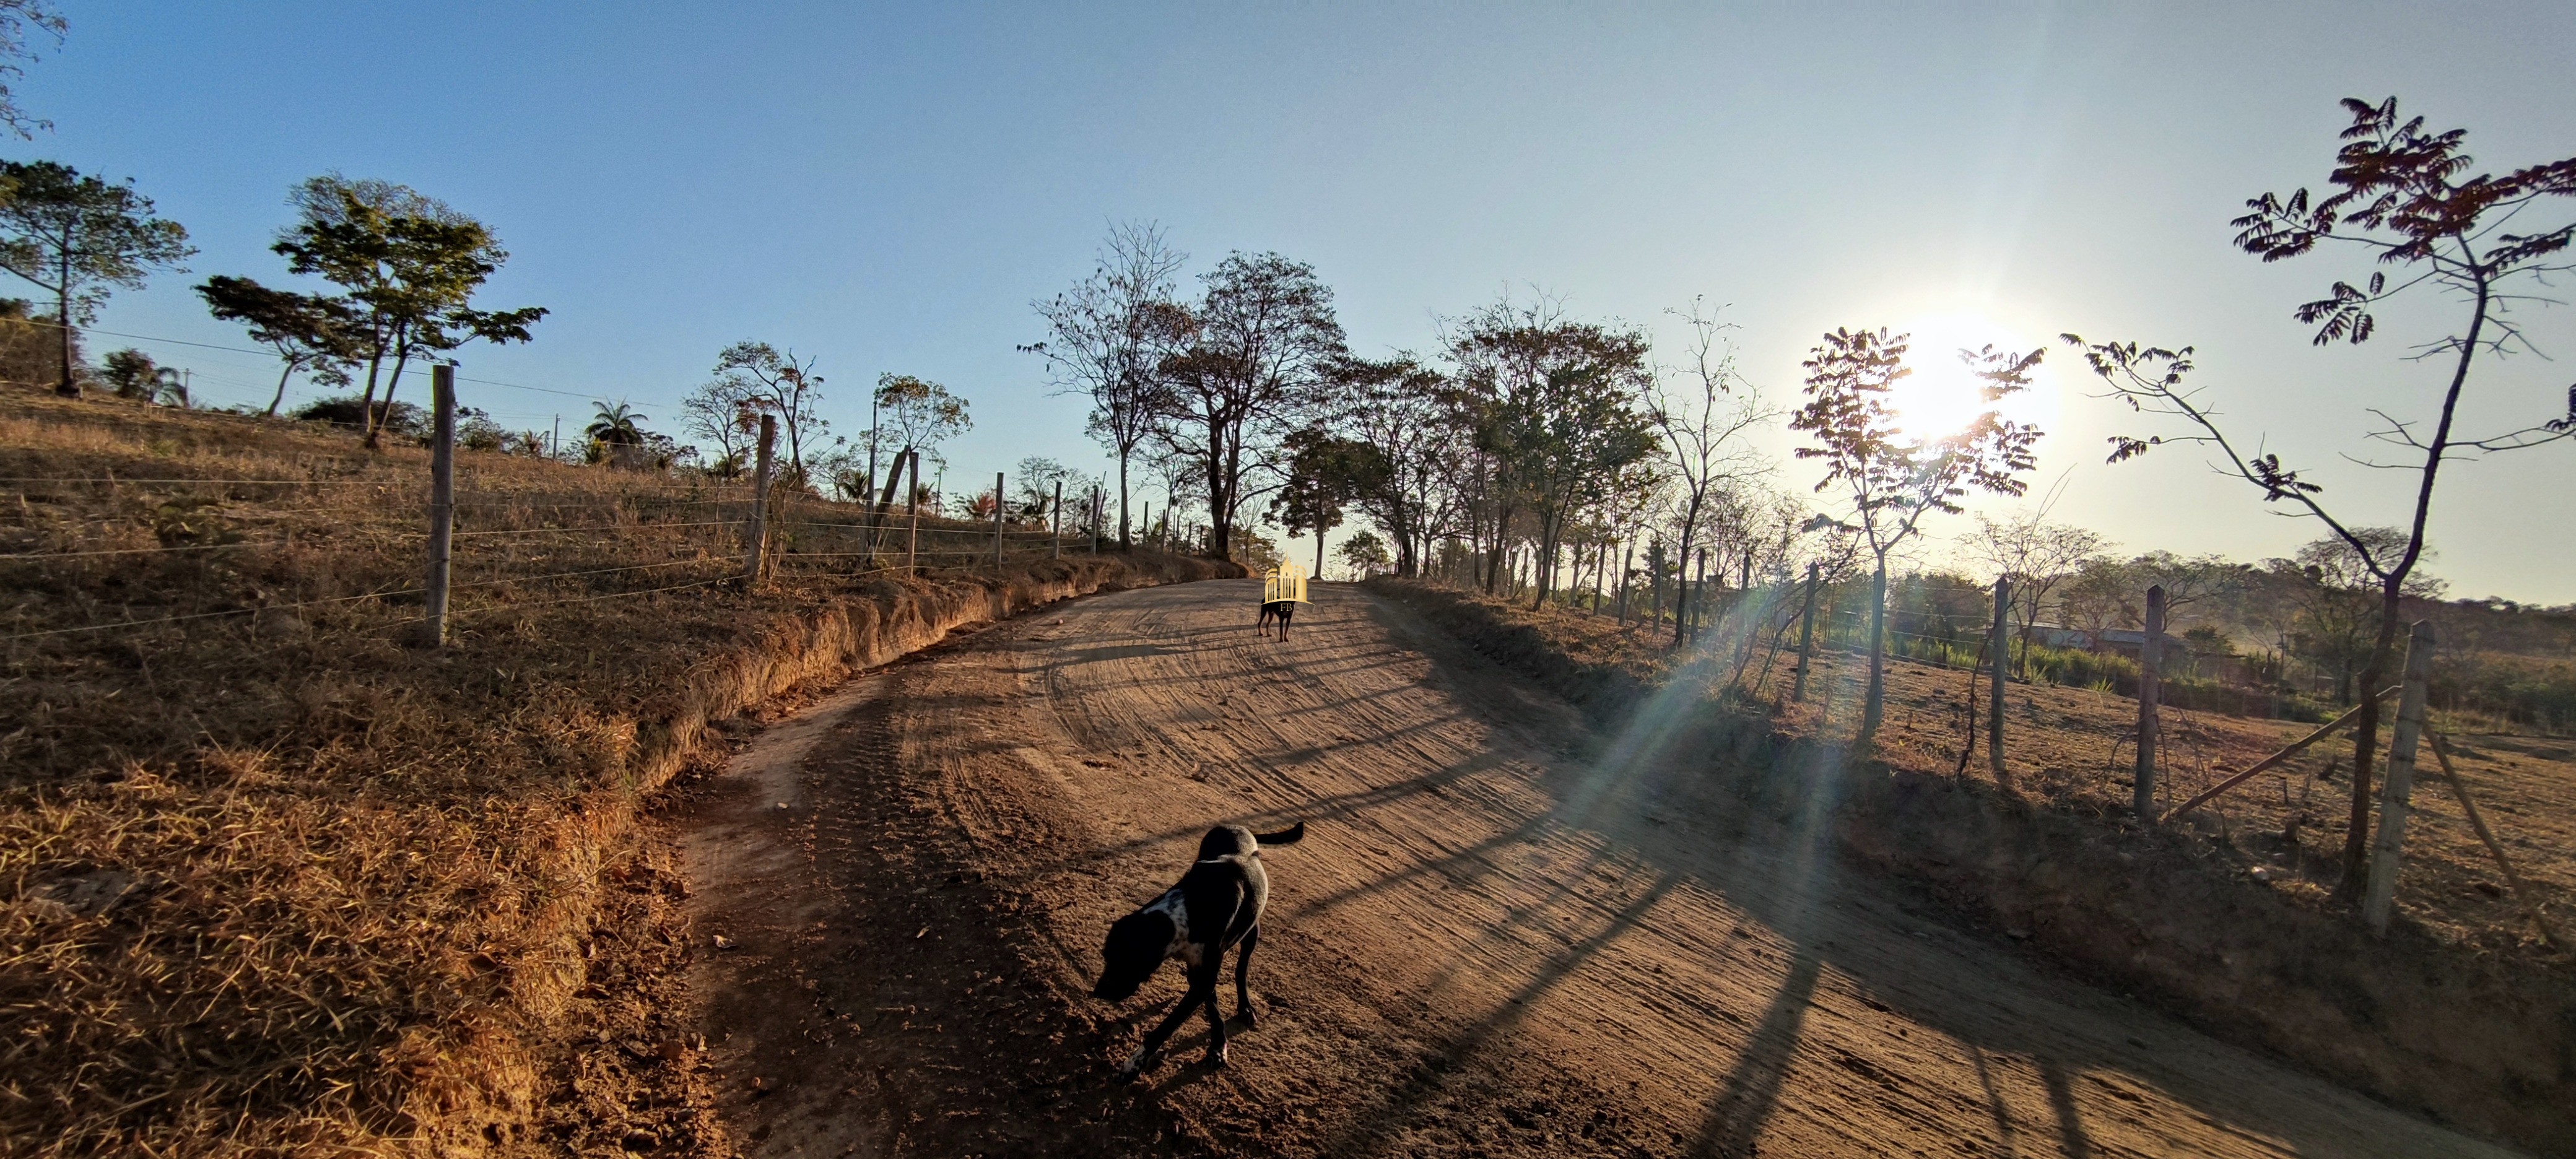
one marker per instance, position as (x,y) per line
(272,880)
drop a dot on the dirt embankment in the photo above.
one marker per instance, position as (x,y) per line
(2482,1039)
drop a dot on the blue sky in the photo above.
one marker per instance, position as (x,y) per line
(888,188)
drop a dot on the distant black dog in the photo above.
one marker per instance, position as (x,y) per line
(1280,610)
(1216,905)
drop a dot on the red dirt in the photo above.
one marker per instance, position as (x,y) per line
(1505,934)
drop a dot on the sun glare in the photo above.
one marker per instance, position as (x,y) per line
(1943,395)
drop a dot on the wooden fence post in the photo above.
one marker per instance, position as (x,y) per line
(756,562)
(1806,637)
(1095,519)
(2397,781)
(912,502)
(1055,546)
(2150,657)
(2469,808)
(442,501)
(2002,651)
(997,521)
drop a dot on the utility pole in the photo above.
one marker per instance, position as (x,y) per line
(1055,547)
(997,521)
(442,500)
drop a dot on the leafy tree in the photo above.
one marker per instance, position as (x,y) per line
(133,374)
(2338,607)
(1260,346)
(309,331)
(1364,553)
(77,238)
(1405,416)
(779,383)
(19,19)
(410,266)
(353,412)
(1552,405)
(1107,336)
(2404,198)
(1324,474)
(916,414)
(1893,482)
(1704,421)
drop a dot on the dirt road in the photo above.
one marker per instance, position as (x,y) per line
(1506,934)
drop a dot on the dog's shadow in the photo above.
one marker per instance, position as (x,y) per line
(1183,1059)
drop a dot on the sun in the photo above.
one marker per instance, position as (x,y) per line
(1942,395)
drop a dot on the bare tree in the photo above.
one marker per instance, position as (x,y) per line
(2401,199)
(778,383)
(19,18)
(1704,419)
(1261,344)
(1107,336)
(724,411)
(2036,555)
(1407,413)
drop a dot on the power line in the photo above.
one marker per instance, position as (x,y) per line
(586,395)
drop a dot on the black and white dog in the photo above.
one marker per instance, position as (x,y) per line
(1217,905)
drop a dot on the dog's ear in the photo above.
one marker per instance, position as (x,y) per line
(1288,836)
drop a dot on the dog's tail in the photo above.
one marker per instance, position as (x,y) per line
(1288,836)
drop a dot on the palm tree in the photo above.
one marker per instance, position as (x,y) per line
(618,426)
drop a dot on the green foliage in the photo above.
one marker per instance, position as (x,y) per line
(78,237)
(351,411)
(1365,554)
(308,331)
(132,374)
(409,266)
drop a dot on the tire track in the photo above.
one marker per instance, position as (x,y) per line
(1505,934)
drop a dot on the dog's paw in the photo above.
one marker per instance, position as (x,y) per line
(1216,1056)
(1134,1065)
(1250,1020)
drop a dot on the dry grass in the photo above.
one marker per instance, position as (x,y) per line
(276,881)
(2072,750)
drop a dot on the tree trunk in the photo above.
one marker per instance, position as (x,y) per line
(1123,452)
(2365,729)
(1874,701)
(280,398)
(65,385)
